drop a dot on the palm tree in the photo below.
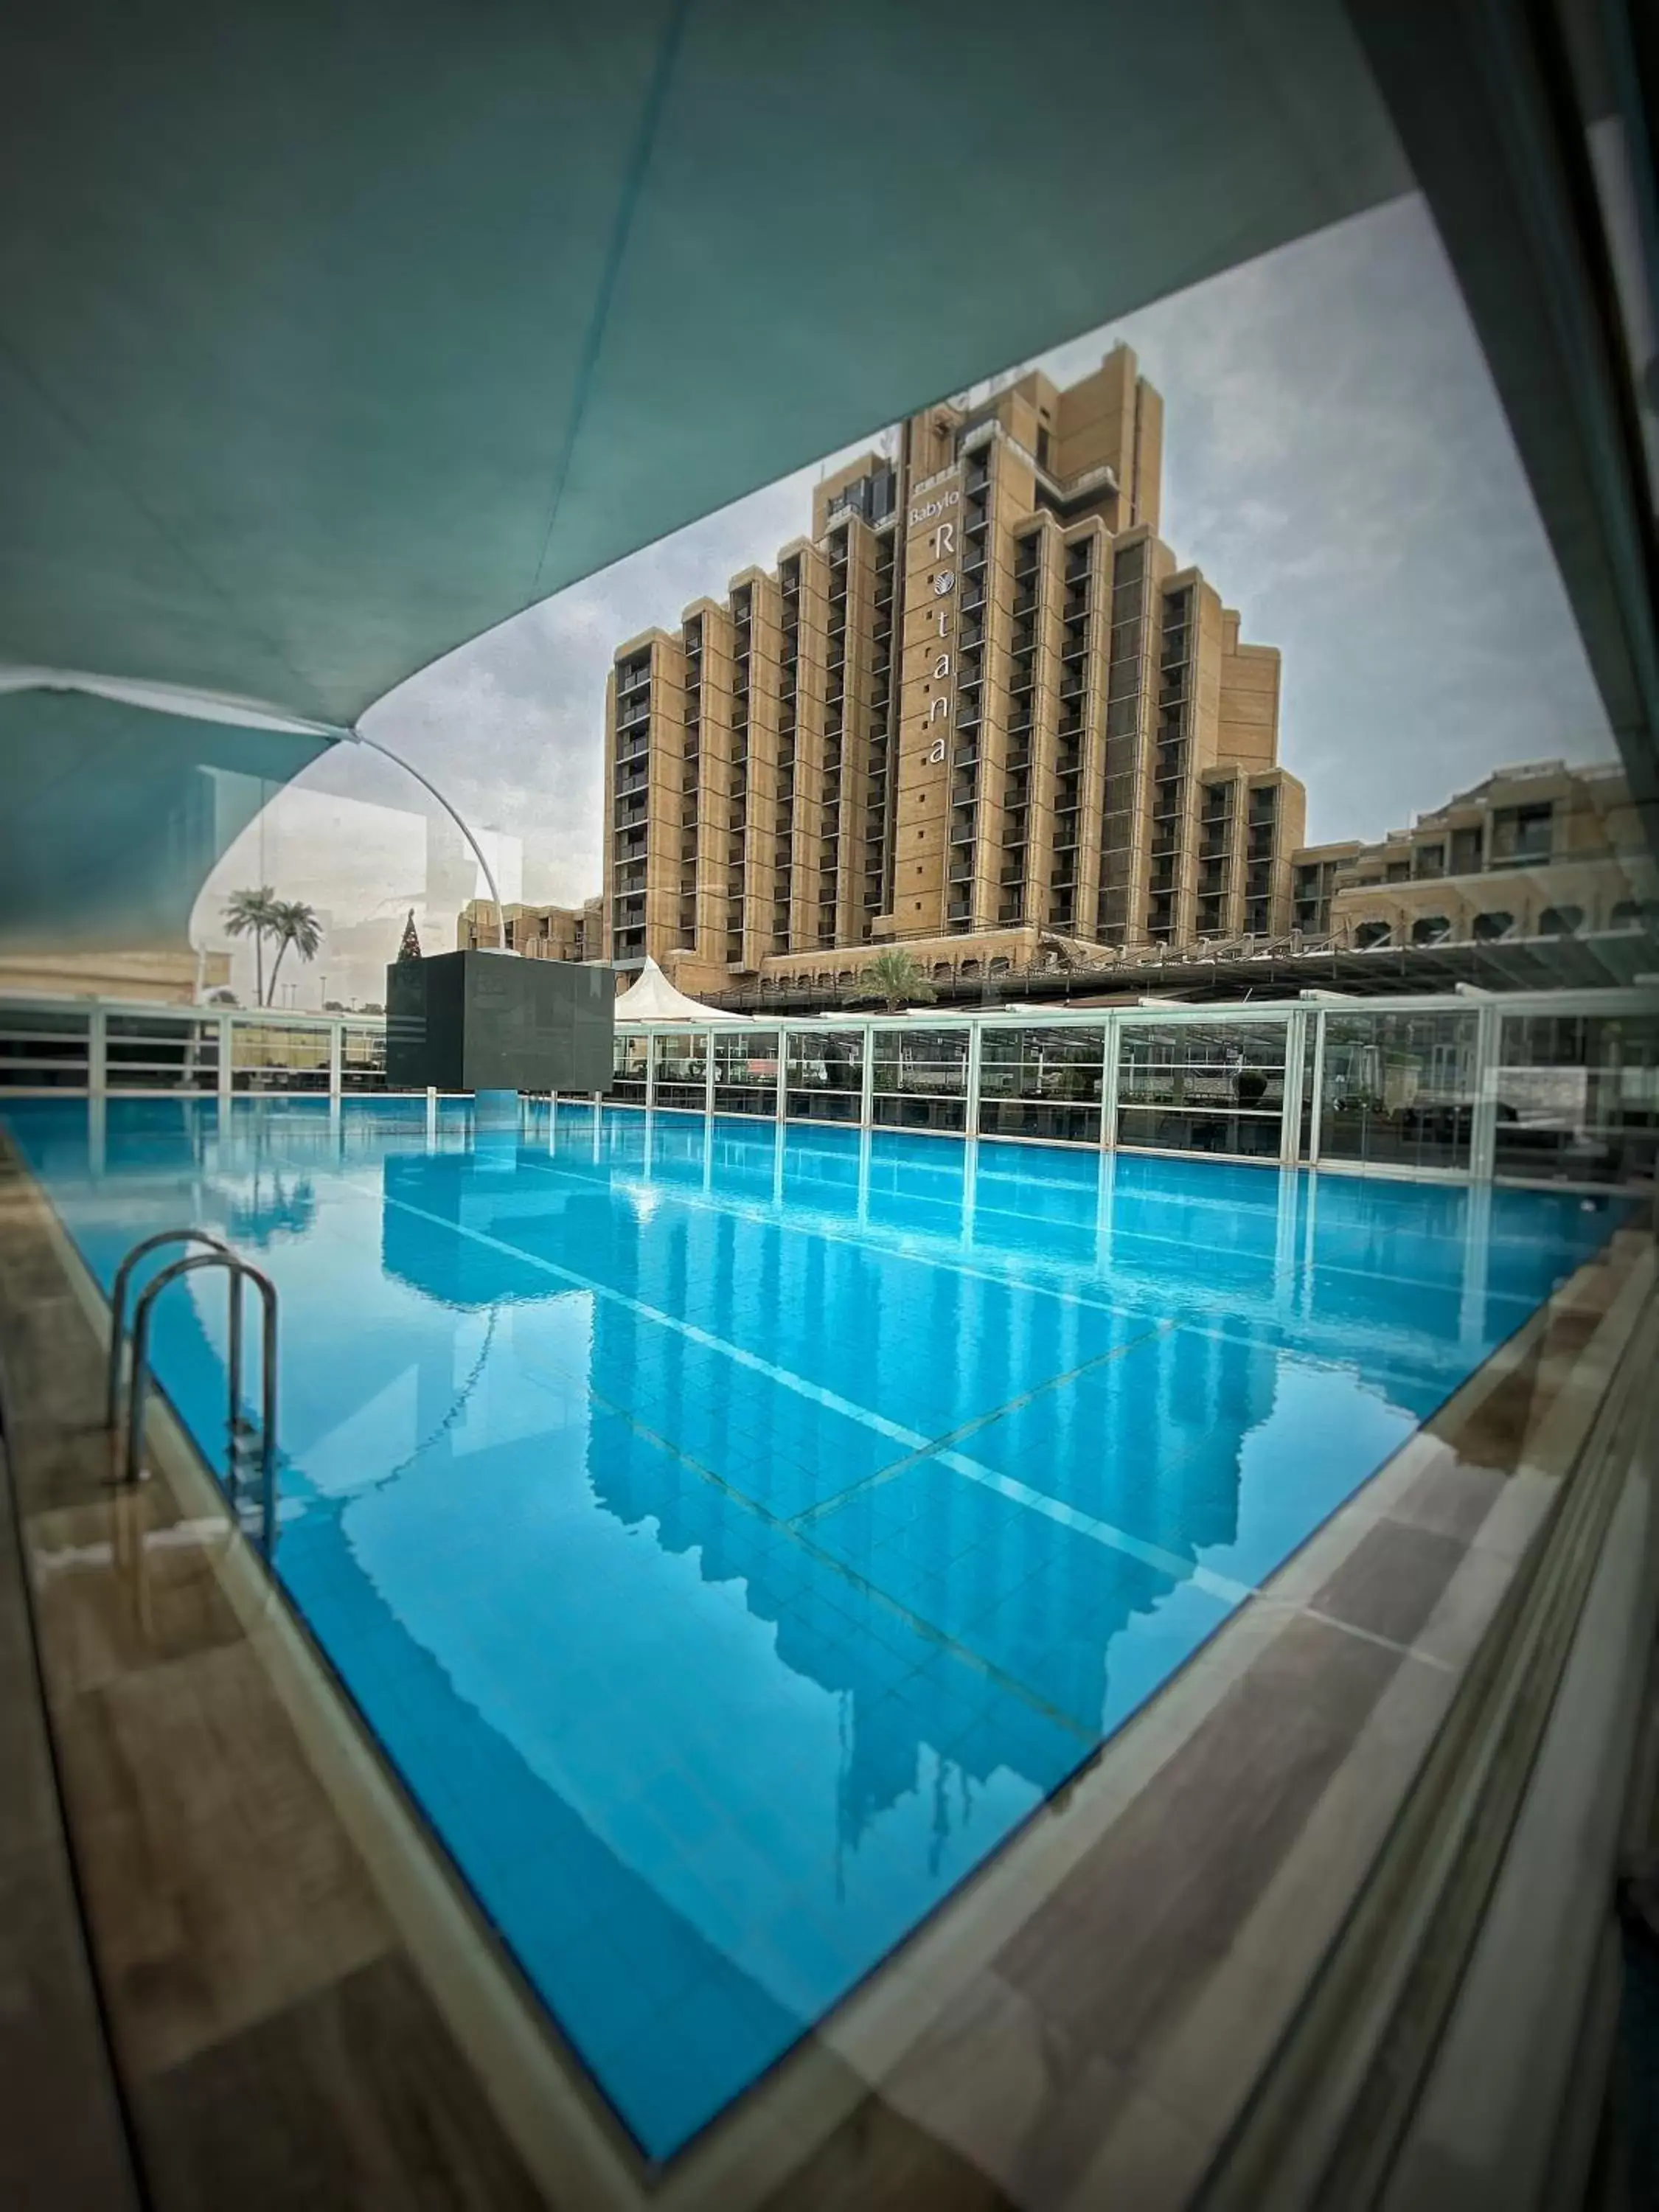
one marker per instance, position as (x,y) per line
(897,978)
(253,913)
(294,922)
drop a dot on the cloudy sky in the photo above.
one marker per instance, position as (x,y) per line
(1334,461)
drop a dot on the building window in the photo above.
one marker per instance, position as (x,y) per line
(1431,929)
(1522,834)
(1561,921)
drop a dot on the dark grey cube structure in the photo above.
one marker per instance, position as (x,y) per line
(488,1021)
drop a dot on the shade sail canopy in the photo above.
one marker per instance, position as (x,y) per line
(112,814)
(331,337)
(334,335)
(651,998)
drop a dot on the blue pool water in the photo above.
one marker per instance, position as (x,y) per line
(734,1535)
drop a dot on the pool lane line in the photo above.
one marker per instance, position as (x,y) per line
(1037,1501)
(970,1427)
(1102,1532)
(786,1379)
(919,1624)
(919,1446)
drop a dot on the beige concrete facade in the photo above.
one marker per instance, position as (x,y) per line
(980,699)
(1542,850)
(168,977)
(539,933)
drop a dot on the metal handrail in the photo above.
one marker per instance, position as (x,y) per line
(239,1271)
(118,1307)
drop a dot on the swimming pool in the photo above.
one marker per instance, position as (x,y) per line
(731,1535)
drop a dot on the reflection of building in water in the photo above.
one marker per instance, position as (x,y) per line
(1061,1595)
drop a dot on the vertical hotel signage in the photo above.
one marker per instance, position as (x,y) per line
(935,521)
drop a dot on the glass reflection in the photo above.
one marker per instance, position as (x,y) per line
(1398,1089)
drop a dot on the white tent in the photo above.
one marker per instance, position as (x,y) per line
(653,998)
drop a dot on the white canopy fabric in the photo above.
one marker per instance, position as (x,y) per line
(331,337)
(653,998)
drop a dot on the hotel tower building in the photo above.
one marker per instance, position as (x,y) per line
(981,703)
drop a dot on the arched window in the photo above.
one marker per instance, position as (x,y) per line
(1430,929)
(999,965)
(1489,928)
(1369,934)
(1561,921)
(941,971)
(968,967)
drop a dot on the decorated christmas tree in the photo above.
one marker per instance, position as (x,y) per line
(411,947)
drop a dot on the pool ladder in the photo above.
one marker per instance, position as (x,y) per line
(242,1436)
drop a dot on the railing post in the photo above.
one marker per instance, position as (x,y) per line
(1488,1056)
(1109,1087)
(336,1056)
(708,1079)
(976,1053)
(868,1082)
(780,1104)
(1319,1021)
(1290,1134)
(98,1054)
(650,1069)
(227,1071)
